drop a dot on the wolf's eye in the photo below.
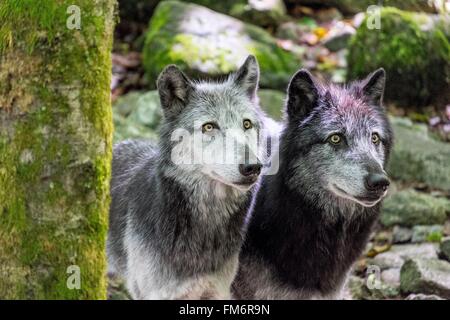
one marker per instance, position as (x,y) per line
(248,124)
(375,138)
(208,127)
(335,139)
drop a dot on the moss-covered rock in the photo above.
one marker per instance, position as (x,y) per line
(55,148)
(428,276)
(207,43)
(409,207)
(418,157)
(415,51)
(137,115)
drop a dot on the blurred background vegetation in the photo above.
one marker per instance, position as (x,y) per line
(338,41)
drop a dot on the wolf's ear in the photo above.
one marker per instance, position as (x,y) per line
(247,77)
(373,86)
(302,95)
(174,88)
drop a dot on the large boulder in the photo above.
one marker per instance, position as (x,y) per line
(414,49)
(428,276)
(409,207)
(207,43)
(418,157)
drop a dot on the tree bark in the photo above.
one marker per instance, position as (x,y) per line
(55,147)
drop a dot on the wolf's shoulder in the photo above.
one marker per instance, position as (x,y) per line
(130,154)
(130,148)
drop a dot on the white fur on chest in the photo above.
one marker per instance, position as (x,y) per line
(147,279)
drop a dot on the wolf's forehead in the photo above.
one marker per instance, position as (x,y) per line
(343,111)
(221,103)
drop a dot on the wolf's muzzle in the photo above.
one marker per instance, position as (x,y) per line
(376,182)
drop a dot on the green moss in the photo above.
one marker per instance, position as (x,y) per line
(172,38)
(434,237)
(55,157)
(417,62)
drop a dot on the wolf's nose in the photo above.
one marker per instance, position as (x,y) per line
(250,169)
(376,182)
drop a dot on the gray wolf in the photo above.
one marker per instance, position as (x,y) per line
(177,220)
(311,220)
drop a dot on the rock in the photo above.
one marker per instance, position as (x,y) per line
(417,157)
(293,31)
(262,13)
(328,14)
(147,110)
(126,129)
(338,37)
(395,257)
(444,249)
(421,296)
(137,115)
(387,260)
(209,44)
(409,208)
(427,233)
(417,60)
(272,102)
(428,276)
(401,234)
(447,228)
(391,277)
(357,288)
(142,108)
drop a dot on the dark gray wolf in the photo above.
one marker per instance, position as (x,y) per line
(311,220)
(177,220)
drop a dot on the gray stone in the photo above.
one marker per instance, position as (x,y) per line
(395,257)
(357,289)
(391,277)
(141,107)
(126,129)
(422,296)
(409,208)
(338,37)
(444,249)
(418,157)
(427,276)
(401,234)
(427,233)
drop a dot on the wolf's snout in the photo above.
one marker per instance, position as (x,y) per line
(250,169)
(377,182)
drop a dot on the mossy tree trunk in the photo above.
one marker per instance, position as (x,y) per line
(55,147)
